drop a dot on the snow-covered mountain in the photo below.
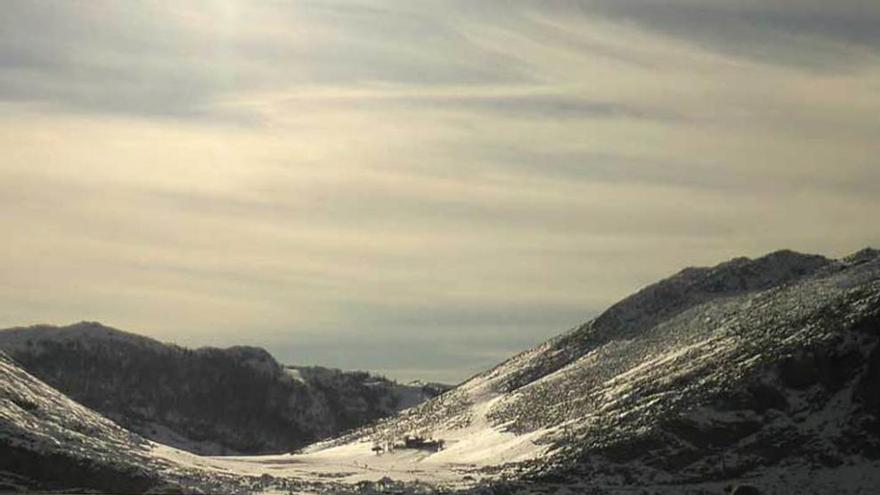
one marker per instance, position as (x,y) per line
(750,369)
(754,372)
(208,400)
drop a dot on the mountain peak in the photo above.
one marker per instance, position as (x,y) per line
(696,285)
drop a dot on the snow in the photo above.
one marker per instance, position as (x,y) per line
(347,464)
(467,451)
(295,374)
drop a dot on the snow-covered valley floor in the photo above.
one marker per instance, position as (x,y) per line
(460,464)
(347,465)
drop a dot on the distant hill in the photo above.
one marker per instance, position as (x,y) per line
(209,401)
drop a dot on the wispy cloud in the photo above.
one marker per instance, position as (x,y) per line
(404,177)
(814,35)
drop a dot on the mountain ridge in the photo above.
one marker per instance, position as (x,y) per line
(187,397)
(710,336)
(736,275)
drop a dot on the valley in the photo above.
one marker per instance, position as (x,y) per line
(753,372)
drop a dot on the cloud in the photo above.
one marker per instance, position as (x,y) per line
(420,188)
(823,36)
(160,59)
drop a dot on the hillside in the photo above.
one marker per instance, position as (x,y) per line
(50,442)
(747,370)
(238,400)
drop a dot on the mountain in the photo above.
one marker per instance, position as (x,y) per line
(753,376)
(209,401)
(752,369)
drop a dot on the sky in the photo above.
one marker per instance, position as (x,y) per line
(421,189)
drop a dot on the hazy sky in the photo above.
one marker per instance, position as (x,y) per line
(420,188)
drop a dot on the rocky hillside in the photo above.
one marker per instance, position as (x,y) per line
(208,401)
(749,370)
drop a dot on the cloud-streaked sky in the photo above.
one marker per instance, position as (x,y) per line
(417,188)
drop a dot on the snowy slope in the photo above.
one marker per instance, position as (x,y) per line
(52,442)
(711,374)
